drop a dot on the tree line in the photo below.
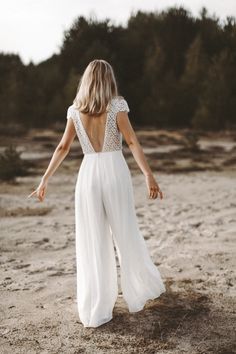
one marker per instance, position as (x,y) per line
(174,69)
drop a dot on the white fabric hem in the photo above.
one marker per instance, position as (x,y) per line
(143,303)
(97,324)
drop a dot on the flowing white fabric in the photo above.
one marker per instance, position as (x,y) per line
(105,218)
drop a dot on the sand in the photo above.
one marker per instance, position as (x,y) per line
(190,235)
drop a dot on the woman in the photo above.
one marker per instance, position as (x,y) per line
(104,201)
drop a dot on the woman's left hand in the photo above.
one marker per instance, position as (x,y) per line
(154,190)
(40,191)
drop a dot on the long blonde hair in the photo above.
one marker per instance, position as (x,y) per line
(96,88)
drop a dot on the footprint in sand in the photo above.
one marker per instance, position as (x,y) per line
(21,266)
(42,241)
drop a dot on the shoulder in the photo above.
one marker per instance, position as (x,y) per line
(121,104)
(71,112)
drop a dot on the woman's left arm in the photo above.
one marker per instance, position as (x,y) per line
(58,156)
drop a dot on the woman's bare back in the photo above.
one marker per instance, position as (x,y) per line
(95,129)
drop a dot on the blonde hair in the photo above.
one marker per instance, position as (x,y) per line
(96,88)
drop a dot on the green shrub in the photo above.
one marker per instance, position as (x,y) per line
(12,165)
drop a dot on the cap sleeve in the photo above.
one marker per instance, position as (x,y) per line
(70,112)
(122,105)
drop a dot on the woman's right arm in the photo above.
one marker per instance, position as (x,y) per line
(131,139)
(58,156)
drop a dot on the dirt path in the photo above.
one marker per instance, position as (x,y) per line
(190,235)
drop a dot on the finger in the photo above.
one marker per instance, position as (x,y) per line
(38,195)
(40,191)
(41,196)
(33,193)
(44,192)
(152,193)
(155,192)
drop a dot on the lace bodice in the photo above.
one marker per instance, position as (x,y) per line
(112,136)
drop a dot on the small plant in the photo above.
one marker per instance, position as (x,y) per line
(12,165)
(192,143)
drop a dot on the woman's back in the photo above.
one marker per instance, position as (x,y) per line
(95,128)
(99,134)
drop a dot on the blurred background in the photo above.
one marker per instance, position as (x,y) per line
(176,68)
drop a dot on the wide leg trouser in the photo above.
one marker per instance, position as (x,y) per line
(105,216)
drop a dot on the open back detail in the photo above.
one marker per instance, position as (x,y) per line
(112,136)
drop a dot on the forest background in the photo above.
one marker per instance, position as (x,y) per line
(175,70)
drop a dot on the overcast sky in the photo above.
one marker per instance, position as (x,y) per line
(34,28)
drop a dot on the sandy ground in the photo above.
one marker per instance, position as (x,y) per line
(190,235)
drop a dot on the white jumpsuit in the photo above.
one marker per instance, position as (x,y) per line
(105,217)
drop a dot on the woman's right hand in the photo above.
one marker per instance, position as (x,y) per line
(40,191)
(153,188)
